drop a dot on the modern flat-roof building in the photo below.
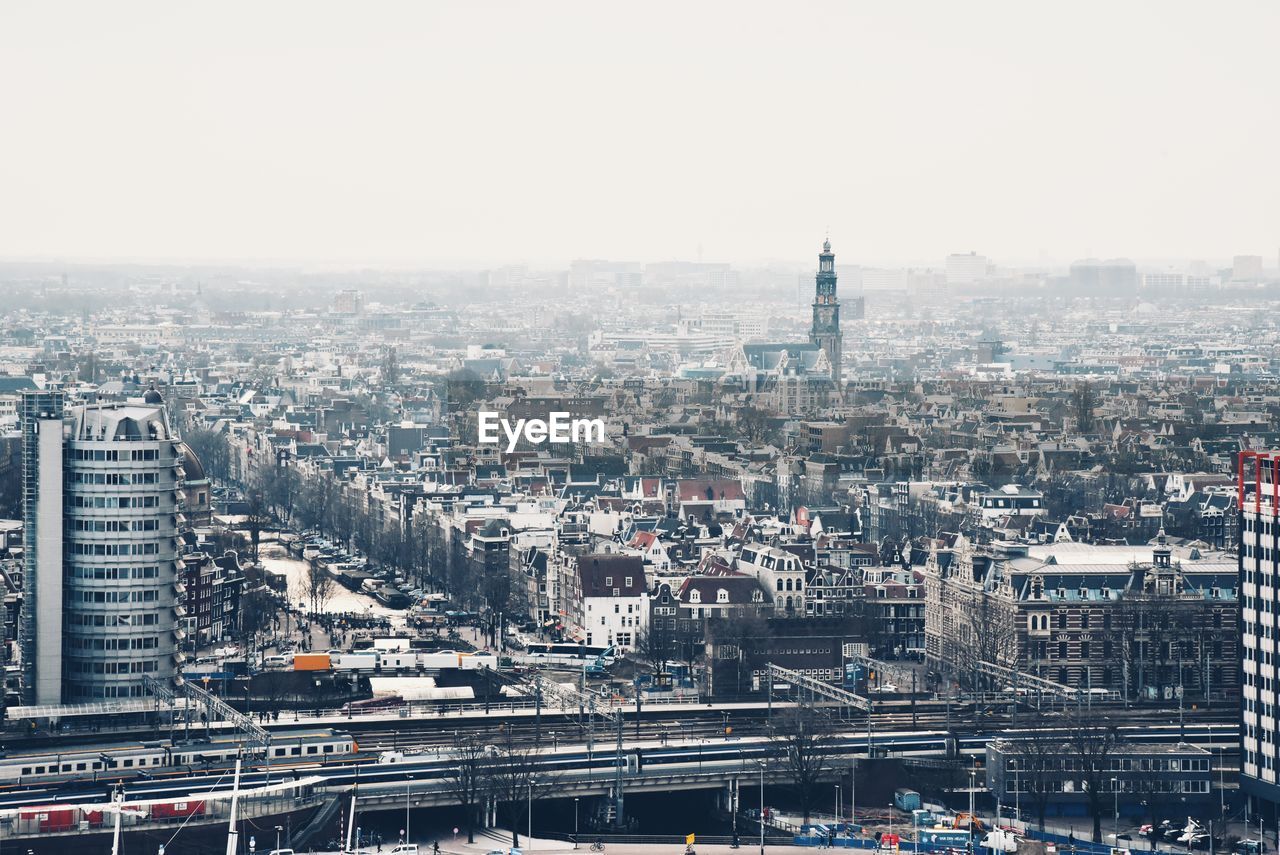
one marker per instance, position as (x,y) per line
(1259,557)
(1140,780)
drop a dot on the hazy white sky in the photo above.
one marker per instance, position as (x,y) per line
(483,132)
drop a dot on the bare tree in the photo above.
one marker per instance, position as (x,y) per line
(1037,757)
(1091,738)
(213,452)
(280,489)
(1150,635)
(803,741)
(657,643)
(467,777)
(513,779)
(1084,400)
(989,635)
(256,612)
(318,588)
(390,367)
(744,638)
(257,517)
(311,509)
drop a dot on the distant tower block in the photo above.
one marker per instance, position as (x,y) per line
(825,331)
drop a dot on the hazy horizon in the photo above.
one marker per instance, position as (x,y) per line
(477,135)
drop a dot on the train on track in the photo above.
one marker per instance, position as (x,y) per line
(338,761)
(122,761)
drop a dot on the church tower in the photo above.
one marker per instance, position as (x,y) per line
(825,331)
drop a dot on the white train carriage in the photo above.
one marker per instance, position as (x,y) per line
(125,760)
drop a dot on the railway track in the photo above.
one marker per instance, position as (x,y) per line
(427,729)
(365,767)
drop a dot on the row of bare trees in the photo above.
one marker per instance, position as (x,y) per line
(1078,747)
(505,771)
(327,504)
(1078,750)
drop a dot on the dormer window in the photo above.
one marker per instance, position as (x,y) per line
(722,596)
(629,578)
(608,581)
(695,596)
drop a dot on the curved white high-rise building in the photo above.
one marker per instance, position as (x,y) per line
(104,611)
(121,550)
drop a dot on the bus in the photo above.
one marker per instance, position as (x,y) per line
(567,653)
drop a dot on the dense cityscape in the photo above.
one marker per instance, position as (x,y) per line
(936,529)
(532,428)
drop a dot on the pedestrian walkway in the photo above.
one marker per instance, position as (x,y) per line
(498,841)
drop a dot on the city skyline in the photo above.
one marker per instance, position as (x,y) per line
(828,425)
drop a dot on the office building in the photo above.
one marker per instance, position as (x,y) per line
(348,301)
(963,268)
(1259,557)
(101,496)
(1110,278)
(1246,268)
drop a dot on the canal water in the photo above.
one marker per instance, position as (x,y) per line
(276,560)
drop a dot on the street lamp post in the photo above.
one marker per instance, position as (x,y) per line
(279,828)
(1115,816)
(737,788)
(853,789)
(891,811)
(407,780)
(575,822)
(837,805)
(529,829)
(1017,793)
(762,809)
(1222,792)
(972,822)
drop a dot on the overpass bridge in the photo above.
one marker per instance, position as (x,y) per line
(677,763)
(434,778)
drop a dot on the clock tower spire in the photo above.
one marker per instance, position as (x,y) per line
(825,331)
